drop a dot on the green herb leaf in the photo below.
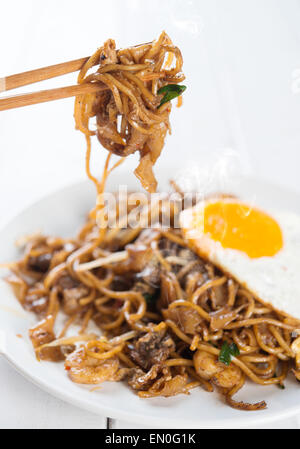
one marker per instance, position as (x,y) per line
(227,352)
(150,299)
(171,91)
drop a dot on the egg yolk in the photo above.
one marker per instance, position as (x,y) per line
(241,227)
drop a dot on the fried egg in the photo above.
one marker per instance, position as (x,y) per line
(261,250)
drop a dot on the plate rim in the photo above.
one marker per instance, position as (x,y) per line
(146,420)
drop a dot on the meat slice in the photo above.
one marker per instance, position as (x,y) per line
(72,291)
(36,304)
(71,298)
(188,261)
(40,264)
(140,252)
(187,319)
(109,53)
(170,387)
(142,259)
(141,381)
(42,334)
(152,349)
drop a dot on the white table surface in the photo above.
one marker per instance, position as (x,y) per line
(243,65)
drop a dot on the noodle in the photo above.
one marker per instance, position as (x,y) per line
(133,78)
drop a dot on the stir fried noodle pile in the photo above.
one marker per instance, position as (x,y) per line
(168,321)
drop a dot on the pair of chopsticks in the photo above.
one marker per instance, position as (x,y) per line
(44,73)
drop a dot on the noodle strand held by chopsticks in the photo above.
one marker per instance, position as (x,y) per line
(130,98)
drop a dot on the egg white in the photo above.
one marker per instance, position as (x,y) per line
(273,280)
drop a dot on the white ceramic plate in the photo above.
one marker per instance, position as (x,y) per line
(62,214)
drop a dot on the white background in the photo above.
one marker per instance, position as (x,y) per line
(242,61)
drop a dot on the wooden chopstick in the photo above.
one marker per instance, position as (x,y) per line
(42,96)
(41,74)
